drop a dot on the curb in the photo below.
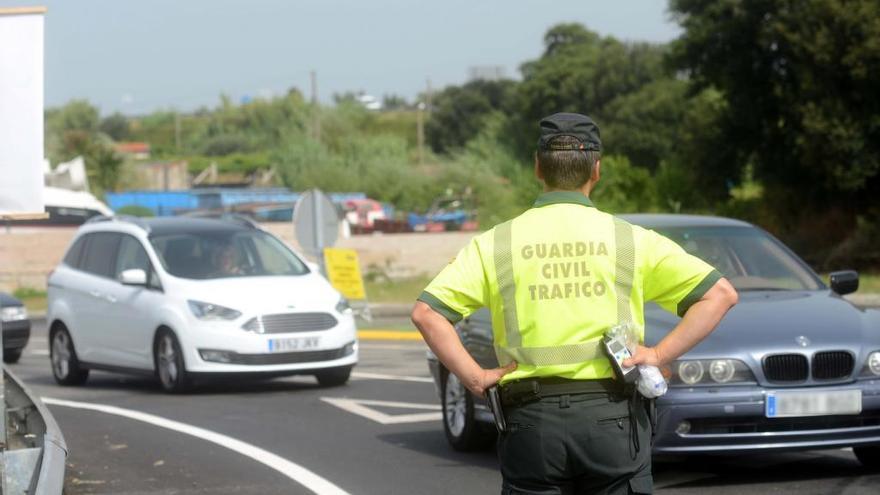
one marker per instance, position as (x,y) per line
(864,300)
(391,310)
(389,335)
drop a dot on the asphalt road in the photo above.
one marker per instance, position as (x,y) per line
(380,434)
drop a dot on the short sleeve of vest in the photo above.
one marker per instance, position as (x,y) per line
(673,278)
(460,288)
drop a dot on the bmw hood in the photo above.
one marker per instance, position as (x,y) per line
(778,320)
(310,292)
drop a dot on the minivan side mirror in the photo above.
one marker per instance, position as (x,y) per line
(844,281)
(133,276)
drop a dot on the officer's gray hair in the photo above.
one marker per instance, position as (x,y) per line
(566,169)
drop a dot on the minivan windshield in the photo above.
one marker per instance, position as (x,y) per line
(749,258)
(223,254)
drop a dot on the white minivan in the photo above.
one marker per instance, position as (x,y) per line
(181,298)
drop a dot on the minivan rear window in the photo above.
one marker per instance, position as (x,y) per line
(72,258)
(100,256)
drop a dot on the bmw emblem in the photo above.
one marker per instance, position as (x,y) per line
(802,341)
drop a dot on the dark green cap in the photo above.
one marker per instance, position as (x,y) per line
(575,125)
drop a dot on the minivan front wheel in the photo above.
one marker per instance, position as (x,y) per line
(333,377)
(170,368)
(65,364)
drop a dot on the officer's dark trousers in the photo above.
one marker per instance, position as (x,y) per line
(576,444)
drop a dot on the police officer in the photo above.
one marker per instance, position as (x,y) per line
(555,279)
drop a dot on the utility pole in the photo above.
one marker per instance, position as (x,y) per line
(429,97)
(177,131)
(316,118)
(420,131)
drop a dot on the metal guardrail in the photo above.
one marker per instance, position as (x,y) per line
(33,460)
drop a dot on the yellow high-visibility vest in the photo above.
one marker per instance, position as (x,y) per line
(558,276)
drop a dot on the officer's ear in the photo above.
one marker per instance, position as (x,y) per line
(597,172)
(538,174)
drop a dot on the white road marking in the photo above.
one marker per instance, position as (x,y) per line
(301,475)
(382,376)
(359,407)
(38,352)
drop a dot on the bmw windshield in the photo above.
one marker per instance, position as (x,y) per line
(223,254)
(749,258)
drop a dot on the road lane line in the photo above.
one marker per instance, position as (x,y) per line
(294,471)
(39,352)
(400,378)
(359,407)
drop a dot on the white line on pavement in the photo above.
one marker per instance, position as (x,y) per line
(301,475)
(38,352)
(359,407)
(381,376)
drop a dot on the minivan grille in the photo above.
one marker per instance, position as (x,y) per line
(832,365)
(291,323)
(786,368)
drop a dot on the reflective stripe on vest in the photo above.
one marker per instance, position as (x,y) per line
(559,354)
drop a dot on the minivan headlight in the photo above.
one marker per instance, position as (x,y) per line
(212,312)
(872,365)
(13,313)
(710,372)
(343,307)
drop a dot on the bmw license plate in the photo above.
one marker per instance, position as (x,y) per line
(791,403)
(294,344)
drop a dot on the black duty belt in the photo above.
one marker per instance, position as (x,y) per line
(532,389)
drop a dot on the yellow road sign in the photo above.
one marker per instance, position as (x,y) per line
(344,272)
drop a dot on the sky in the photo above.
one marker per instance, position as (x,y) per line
(137,56)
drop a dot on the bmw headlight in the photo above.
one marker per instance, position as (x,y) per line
(343,307)
(13,313)
(872,366)
(212,312)
(690,372)
(710,372)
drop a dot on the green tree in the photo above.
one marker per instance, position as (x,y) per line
(116,126)
(70,129)
(104,165)
(799,79)
(458,112)
(582,72)
(394,102)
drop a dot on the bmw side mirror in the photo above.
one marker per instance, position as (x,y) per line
(134,276)
(844,281)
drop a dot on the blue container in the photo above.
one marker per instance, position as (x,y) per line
(168,203)
(162,203)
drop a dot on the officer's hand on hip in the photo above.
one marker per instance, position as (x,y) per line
(644,355)
(488,378)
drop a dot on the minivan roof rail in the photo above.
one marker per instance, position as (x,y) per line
(242,220)
(120,218)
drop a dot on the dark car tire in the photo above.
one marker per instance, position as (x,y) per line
(463,432)
(170,366)
(869,456)
(334,377)
(11,355)
(65,364)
